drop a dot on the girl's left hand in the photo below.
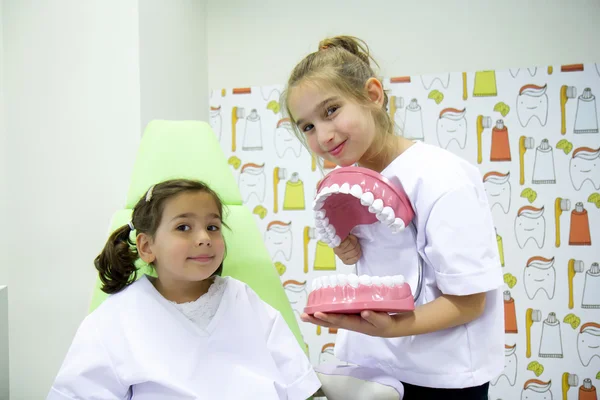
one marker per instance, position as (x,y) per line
(370,323)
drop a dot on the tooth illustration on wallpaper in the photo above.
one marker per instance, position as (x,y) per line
(532,103)
(515,71)
(560,205)
(568,381)
(587,391)
(413,121)
(502,108)
(294,193)
(500,247)
(531,316)
(543,166)
(536,368)
(591,288)
(482,123)
(510,315)
(237,113)
(500,149)
(588,342)
(530,224)
(279,240)
(429,80)
(436,96)
(396,106)
(285,140)
(573,267)
(253,182)
(566,93)
(535,389)
(584,166)
(279,174)
(525,143)
(452,127)
(216,122)
(253,132)
(498,189)
(551,340)
(485,84)
(510,366)
(327,356)
(579,234)
(586,118)
(540,275)
(297,295)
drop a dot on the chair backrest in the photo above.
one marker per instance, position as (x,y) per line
(190,149)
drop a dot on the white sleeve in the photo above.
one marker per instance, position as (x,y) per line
(461,243)
(301,381)
(87,371)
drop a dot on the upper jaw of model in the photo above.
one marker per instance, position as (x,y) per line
(588,342)
(497,187)
(351,196)
(354,281)
(540,274)
(585,166)
(532,102)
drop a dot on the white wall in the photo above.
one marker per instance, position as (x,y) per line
(259,45)
(3,265)
(4,355)
(72,108)
(173,63)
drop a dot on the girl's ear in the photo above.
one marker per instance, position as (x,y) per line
(144,248)
(375,91)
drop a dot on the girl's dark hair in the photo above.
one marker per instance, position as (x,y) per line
(116,262)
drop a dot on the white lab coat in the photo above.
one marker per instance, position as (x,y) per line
(137,345)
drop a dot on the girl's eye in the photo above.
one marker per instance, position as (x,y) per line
(183,228)
(307,128)
(331,110)
(213,228)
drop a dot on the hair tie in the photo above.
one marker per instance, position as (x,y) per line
(324,47)
(130,225)
(149,193)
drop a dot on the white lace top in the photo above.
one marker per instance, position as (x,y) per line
(202,310)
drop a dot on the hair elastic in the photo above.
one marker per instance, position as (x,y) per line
(130,225)
(149,193)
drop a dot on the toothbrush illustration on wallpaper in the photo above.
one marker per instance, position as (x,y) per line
(531,316)
(560,205)
(573,267)
(568,381)
(550,339)
(566,93)
(483,122)
(532,103)
(530,224)
(452,127)
(279,174)
(525,143)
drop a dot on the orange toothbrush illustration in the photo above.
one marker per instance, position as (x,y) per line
(560,205)
(525,143)
(566,93)
(574,267)
(531,316)
(482,123)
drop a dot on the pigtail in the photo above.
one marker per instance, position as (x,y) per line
(116,262)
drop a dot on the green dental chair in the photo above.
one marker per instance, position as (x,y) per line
(189,149)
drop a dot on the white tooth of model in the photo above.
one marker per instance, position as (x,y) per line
(367,199)
(364,280)
(319,214)
(317,282)
(342,279)
(325,281)
(345,188)
(356,191)
(333,280)
(397,225)
(386,214)
(398,280)
(387,281)
(335,188)
(376,207)
(335,242)
(377,281)
(353,280)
